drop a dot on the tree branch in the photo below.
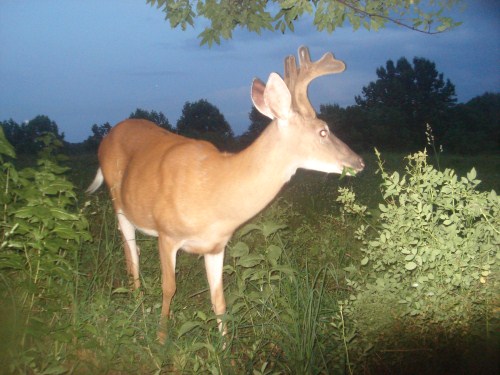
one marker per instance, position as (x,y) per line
(364,13)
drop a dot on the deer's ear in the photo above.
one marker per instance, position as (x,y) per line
(258,89)
(272,100)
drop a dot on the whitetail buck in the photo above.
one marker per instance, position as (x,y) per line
(193,197)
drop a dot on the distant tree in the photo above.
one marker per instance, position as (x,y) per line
(157,117)
(404,99)
(347,124)
(203,120)
(42,124)
(258,122)
(475,126)
(25,137)
(256,15)
(98,133)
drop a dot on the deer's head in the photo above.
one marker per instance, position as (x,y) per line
(309,139)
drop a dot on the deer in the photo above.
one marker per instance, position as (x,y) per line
(194,197)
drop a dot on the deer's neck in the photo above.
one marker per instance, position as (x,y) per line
(256,175)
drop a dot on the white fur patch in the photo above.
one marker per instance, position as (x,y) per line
(149,232)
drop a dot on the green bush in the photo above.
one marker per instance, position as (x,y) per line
(430,254)
(40,233)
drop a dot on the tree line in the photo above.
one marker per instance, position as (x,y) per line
(200,120)
(408,106)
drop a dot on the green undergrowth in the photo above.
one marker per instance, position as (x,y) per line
(393,273)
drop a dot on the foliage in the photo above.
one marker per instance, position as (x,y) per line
(403,100)
(431,257)
(475,126)
(327,15)
(25,137)
(67,307)
(203,120)
(40,235)
(349,124)
(470,128)
(258,122)
(98,133)
(157,117)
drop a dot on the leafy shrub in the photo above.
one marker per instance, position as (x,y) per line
(40,233)
(431,254)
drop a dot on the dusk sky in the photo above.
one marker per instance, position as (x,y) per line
(90,62)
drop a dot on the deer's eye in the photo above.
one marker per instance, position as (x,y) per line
(323,133)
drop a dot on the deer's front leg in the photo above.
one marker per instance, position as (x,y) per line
(213,264)
(168,256)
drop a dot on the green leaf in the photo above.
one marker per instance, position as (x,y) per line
(61,214)
(271,228)
(471,176)
(250,260)
(201,315)
(5,147)
(239,250)
(410,266)
(274,252)
(247,229)
(188,327)
(33,213)
(383,207)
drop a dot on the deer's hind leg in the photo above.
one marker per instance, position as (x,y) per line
(130,247)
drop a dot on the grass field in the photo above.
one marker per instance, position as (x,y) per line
(287,290)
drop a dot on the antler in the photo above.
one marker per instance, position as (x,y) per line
(297,79)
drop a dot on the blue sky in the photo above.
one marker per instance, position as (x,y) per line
(95,61)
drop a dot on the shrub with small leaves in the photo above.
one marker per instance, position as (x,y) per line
(432,256)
